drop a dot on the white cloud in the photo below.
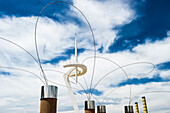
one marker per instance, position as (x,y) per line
(21,91)
(156,52)
(104,16)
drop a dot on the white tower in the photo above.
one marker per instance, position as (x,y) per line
(80,69)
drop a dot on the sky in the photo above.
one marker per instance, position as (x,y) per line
(132,34)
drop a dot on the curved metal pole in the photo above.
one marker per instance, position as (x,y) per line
(36,37)
(69,80)
(123,71)
(122,67)
(58,83)
(24,71)
(70,91)
(146,93)
(113,63)
(20,69)
(132,80)
(22,49)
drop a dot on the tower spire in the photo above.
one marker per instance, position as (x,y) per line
(76,56)
(76,48)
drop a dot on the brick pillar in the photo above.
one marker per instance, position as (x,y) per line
(48,99)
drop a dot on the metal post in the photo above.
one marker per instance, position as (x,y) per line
(137,108)
(101,109)
(89,106)
(129,109)
(48,99)
(144,105)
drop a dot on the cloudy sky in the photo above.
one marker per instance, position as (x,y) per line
(128,33)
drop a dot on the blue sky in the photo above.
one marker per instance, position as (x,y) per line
(151,24)
(125,32)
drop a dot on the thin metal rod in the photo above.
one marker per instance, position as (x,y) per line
(36,36)
(76,59)
(109,94)
(62,85)
(24,71)
(76,48)
(20,48)
(55,82)
(82,88)
(69,80)
(122,67)
(96,99)
(85,82)
(132,80)
(20,69)
(137,94)
(113,63)
(123,70)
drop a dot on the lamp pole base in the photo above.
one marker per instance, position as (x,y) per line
(90,111)
(129,109)
(89,106)
(48,105)
(48,99)
(101,109)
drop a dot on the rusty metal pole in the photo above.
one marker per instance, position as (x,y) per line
(129,109)
(137,108)
(48,99)
(89,106)
(101,109)
(144,105)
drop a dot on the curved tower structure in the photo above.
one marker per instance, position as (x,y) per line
(80,69)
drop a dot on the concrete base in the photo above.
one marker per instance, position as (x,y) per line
(48,105)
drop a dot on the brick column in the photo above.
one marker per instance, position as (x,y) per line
(48,99)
